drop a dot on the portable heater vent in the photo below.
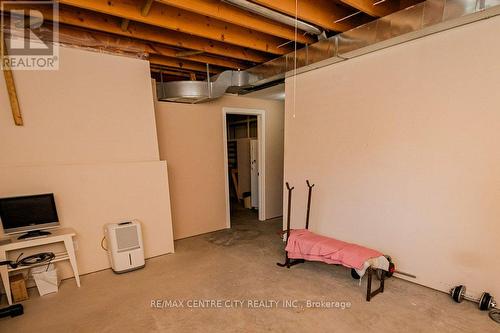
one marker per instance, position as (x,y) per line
(125,248)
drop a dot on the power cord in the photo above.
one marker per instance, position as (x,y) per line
(102,244)
(30,260)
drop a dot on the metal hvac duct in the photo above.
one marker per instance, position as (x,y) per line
(414,22)
(202,91)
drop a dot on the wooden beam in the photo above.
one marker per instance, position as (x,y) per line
(133,45)
(146,7)
(366,6)
(177,72)
(11,87)
(101,39)
(124,25)
(167,77)
(228,13)
(222,62)
(88,19)
(187,53)
(177,63)
(171,72)
(185,21)
(323,13)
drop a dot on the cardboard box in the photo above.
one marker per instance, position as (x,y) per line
(18,288)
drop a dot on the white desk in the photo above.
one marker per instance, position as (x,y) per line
(64,235)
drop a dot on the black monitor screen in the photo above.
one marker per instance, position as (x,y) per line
(27,211)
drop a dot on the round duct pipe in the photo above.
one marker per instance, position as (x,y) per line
(202,91)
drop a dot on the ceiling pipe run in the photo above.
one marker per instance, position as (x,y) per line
(275,16)
(423,19)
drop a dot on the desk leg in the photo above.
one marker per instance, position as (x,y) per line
(68,243)
(5,277)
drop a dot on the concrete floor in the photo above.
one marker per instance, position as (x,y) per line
(240,264)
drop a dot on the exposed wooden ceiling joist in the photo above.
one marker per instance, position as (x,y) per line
(183,64)
(187,53)
(182,36)
(171,72)
(184,21)
(222,62)
(86,36)
(323,13)
(98,39)
(177,71)
(146,7)
(228,13)
(124,25)
(367,6)
(110,24)
(167,77)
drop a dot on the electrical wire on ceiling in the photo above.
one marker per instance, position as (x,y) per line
(347,17)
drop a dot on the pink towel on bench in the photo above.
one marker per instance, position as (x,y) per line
(304,244)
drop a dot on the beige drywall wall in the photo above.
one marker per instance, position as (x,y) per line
(190,140)
(403,147)
(95,108)
(90,138)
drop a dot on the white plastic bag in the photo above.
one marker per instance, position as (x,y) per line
(46,279)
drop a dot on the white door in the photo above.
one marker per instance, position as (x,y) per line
(254,172)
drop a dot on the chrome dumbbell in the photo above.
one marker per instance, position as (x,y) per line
(485,302)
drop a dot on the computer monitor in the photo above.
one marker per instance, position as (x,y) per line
(31,214)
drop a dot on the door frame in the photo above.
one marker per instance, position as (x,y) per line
(261,136)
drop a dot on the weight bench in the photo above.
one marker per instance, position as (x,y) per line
(302,245)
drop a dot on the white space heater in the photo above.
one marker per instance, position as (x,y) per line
(125,248)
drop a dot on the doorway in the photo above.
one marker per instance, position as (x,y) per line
(244,160)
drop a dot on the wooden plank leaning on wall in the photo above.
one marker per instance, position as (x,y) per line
(11,88)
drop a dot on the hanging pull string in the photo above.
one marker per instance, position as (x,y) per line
(295,59)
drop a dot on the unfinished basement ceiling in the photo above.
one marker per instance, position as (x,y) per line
(180,37)
(417,21)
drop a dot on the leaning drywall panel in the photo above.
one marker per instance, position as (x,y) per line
(95,108)
(89,196)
